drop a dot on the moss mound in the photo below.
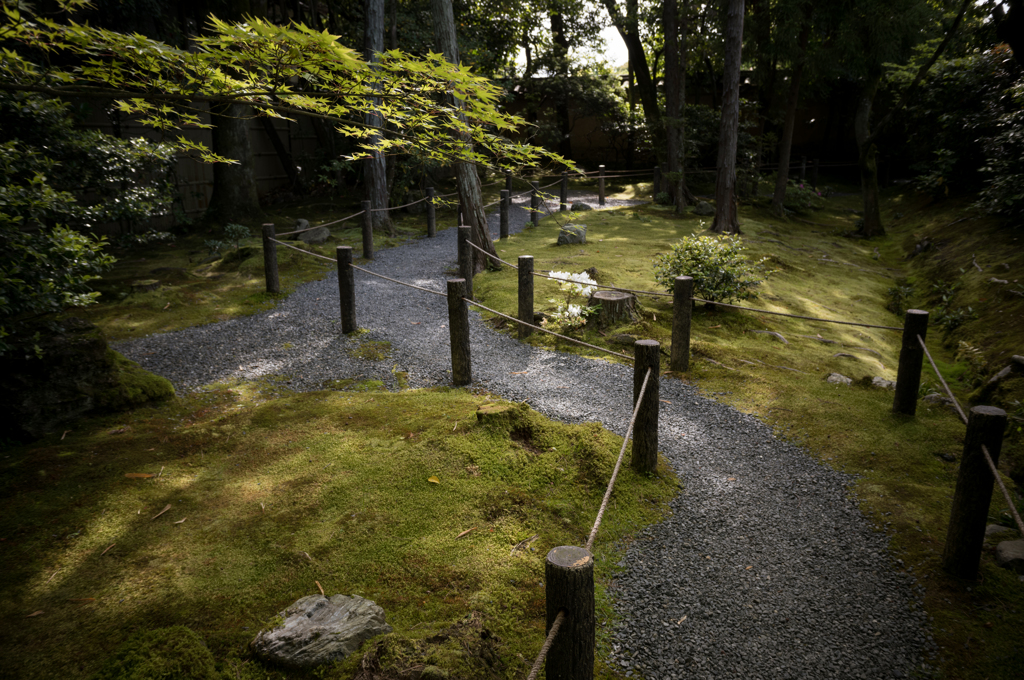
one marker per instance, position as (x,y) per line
(131,385)
(174,653)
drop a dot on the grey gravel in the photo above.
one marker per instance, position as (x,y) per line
(764,569)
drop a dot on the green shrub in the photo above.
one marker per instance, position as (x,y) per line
(234,233)
(720,272)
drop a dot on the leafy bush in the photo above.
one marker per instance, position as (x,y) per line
(899,297)
(235,233)
(213,246)
(568,314)
(935,181)
(151,236)
(802,197)
(719,269)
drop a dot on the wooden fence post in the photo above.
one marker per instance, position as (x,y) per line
(466,258)
(814,173)
(458,332)
(346,289)
(270,260)
(646,355)
(656,183)
(563,199)
(535,203)
(569,586)
(908,375)
(508,181)
(367,231)
(525,295)
(600,185)
(682,310)
(503,211)
(431,214)
(967,519)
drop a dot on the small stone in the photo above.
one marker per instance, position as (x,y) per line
(704,209)
(936,398)
(572,234)
(838,379)
(580,207)
(315,236)
(882,383)
(318,630)
(1010,555)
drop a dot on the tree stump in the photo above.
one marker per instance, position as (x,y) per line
(615,307)
(496,414)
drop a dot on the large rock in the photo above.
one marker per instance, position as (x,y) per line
(838,379)
(1010,555)
(572,234)
(318,630)
(580,207)
(883,384)
(704,209)
(76,374)
(315,236)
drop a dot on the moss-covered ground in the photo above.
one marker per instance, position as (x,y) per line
(249,496)
(907,466)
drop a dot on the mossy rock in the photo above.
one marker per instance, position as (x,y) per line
(175,653)
(232,258)
(132,385)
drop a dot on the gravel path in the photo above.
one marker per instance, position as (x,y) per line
(763,570)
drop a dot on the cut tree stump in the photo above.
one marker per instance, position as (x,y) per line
(494,413)
(615,307)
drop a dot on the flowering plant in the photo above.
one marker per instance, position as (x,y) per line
(580,285)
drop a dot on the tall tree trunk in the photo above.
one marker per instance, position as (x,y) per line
(375,168)
(726,217)
(559,38)
(469,182)
(867,159)
(675,102)
(786,143)
(234,184)
(283,155)
(628,25)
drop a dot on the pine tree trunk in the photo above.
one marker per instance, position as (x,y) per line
(786,143)
(628,25)
(867,160)
(375,167)
(470,193)
(726,217)
(234,184)
(675,102)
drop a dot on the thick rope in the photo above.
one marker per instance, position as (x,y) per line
(555,625)
(544,330)
(796,316)
(301,250)
(396,207)
(618,463)
(493,257)
(984,449)
(401,283)
(935,368)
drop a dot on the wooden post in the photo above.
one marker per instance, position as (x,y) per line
(508,181)
(973,495)
(525,295)
(814,173)
(569,586)
(803,168)
(458,332)
(466,258)
(656,184)
(367,231)
(431,214)
(503,211)
(646,355)
(346,289)
(600,185)
(682,310)
(270,260)
(908,375)
(534,203)
(563,200)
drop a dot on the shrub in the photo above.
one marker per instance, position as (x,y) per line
(234,233)
(720,272)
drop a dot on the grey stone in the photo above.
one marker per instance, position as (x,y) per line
(318,630)
(572,234)
(998,531)
(704,209)
(838,379)
(936,398)
(882,383)
(1010,555)
(315,236)
(299,224)
(580,207)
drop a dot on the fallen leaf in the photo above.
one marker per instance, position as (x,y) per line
(37,613)
(464,533)
(665,401)
(433,480)
(732,479)
(167,306)
(108,548)
(320,587)
(162,511)
(750,567)
(181,520)
(81,599)
(415,323)
(518,373)
(712,327)
(139,475)
(262,507)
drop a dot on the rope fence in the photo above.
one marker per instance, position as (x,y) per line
(546,647)
(302,250)
(401,283)
(797,316)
